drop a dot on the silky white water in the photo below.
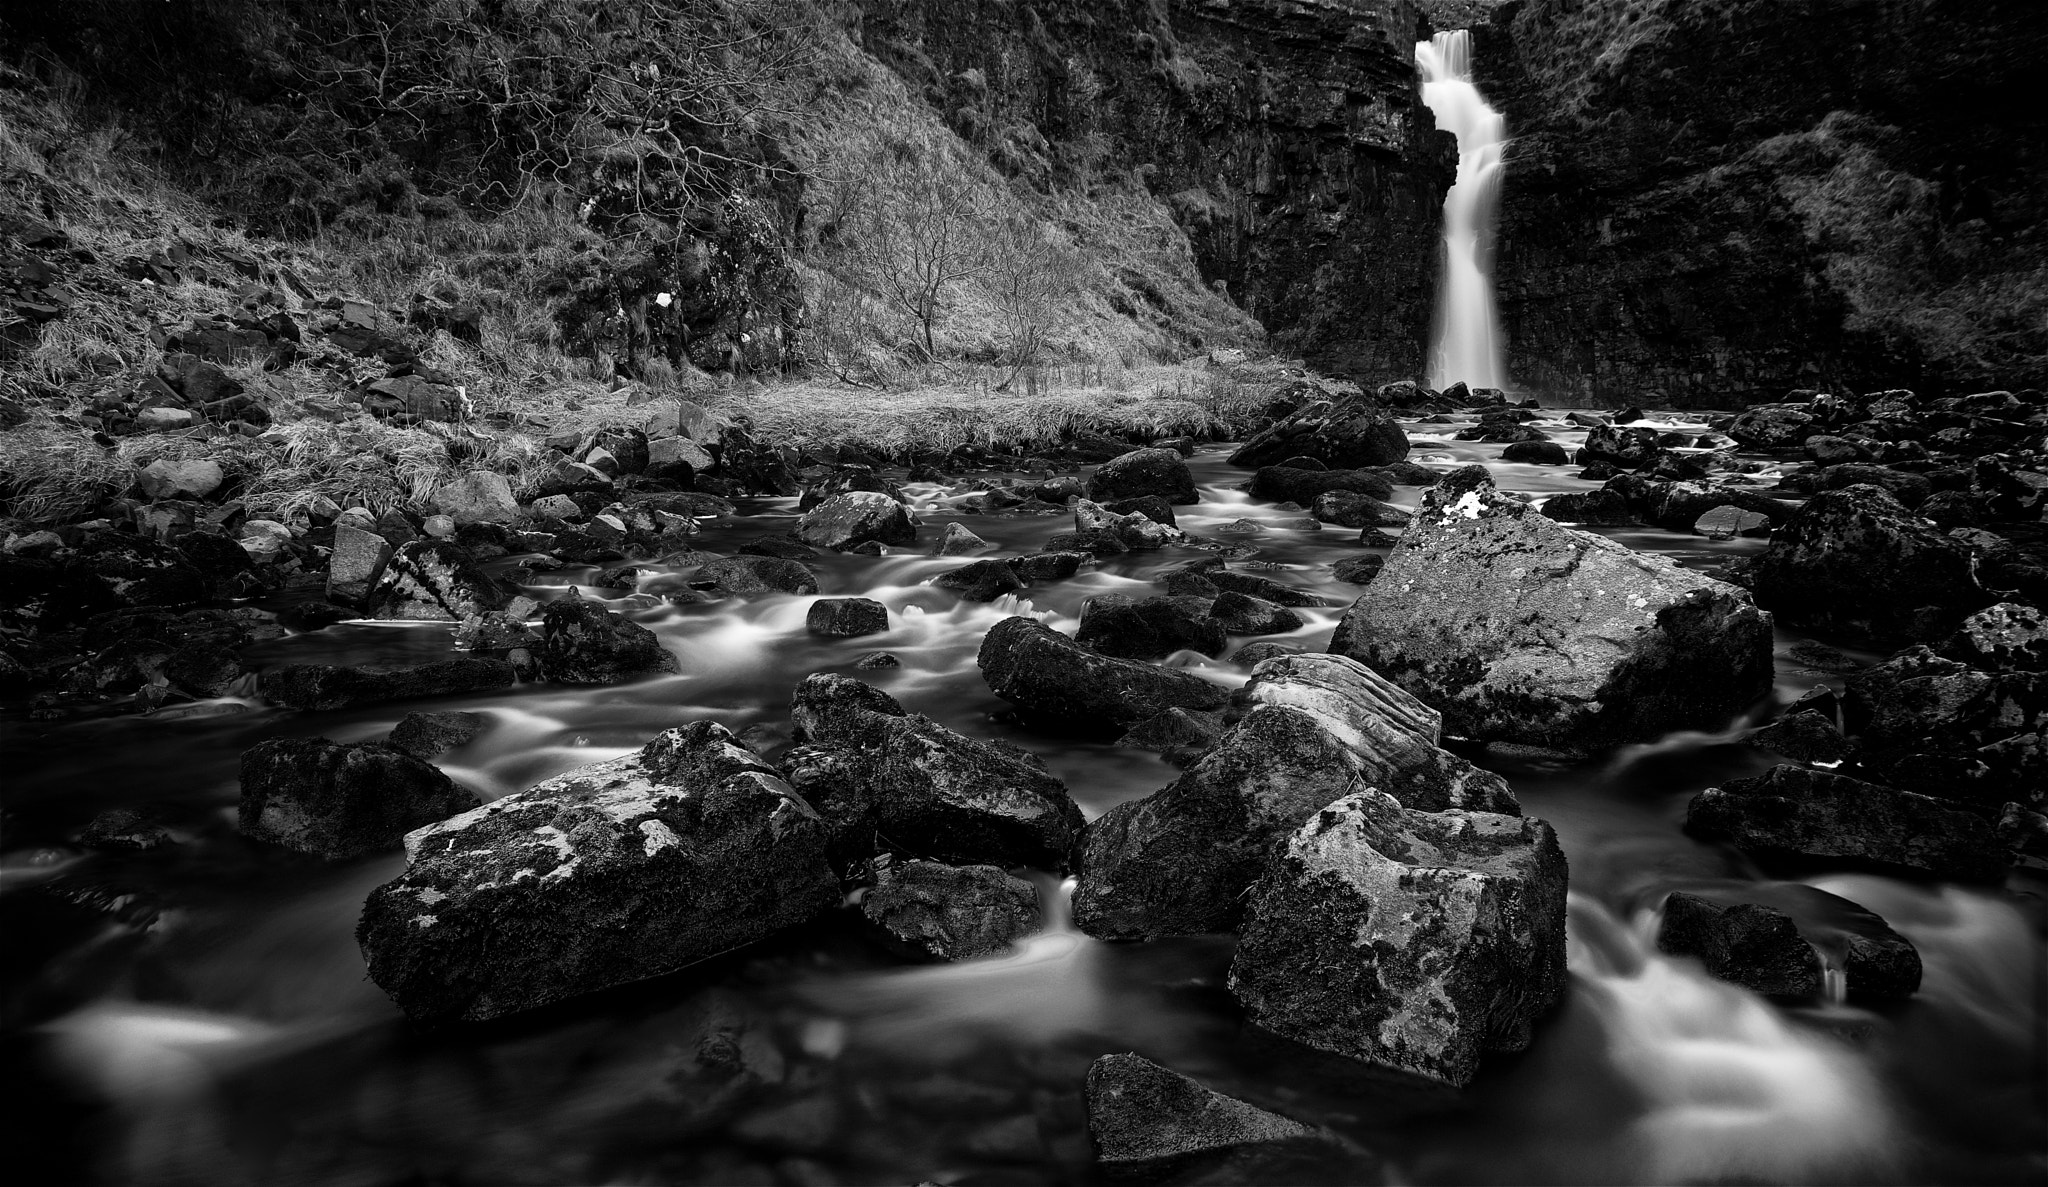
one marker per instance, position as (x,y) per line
(1467,343)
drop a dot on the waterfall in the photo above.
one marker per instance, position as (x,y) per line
(1467,343)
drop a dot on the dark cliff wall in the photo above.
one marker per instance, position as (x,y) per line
(1287,137)
(1712,201)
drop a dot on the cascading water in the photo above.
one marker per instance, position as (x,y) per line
(1467,343)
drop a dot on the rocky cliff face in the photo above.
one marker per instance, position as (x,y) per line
(1712,201)
(1287,136)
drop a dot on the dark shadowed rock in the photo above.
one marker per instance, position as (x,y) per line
(980,581)
(846,618)
(1792,811)
(753,577)
(1519,629)
(1242,614)
(1263,588)
(933,792)
(1142,472)
(430,735)
(1754,946)
(615,872)
(1775,426)
(1807,737)
(325,687)
(1353,431)
(1414,941)
(1048,566)
(1147,1122)
(434,580)
(1281,484)
(1855,562)
(1177,862)
(1152,628)
(942,912)
(1541,453)
(856,517)
(1053,678)
(1941,727)
(339,801)
(1359,570)
(1595,508)
(1349,509)
(1152,507)
(1622,448)
(582,642)
(1180,736)
(2007,637)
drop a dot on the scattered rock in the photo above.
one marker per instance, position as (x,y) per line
(193,479)
(1142,472)
(1353,431)
(1119,625)
(356,565)
(753,576)
(340,801)
(1414,941)
(1753,946)
(615,872)
(1359,570)
(1054,678)
(980,581)
(1540,453)
(1519,629)
(582,642)
(847,618)
(856,517)
(432,734)
(942,912)
(1242,614)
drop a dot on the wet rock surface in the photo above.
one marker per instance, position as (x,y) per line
(338,801)
(1050,676)
(942,912)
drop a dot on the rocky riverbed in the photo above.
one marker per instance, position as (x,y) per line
(1425,788)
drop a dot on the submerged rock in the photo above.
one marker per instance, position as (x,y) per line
(1792,811)
(339,801)
(582,642)
(1519,629)
(1414,941)
(1149,1122)
(324,687)
(1179,861)
(1054,678)
(931,791)
(615,872)
(942,912)
(1753,946)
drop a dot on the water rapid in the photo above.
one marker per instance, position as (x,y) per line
(1467,344)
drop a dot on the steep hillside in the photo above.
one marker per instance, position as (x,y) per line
(1713,201)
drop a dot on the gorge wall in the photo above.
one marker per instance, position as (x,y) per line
(1710,202)
(1287,137)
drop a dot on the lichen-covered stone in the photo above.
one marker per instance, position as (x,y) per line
(856,517)
(1414,941)
(1519,629)
(685,849)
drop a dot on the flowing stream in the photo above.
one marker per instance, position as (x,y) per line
(1467,344)
(236,1041)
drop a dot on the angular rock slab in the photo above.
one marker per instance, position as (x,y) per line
(1147,1121)
(1791,811)
(1179,861)
(611,873)
(1051,677)
(1413,941)
(935,793)
(1519,629)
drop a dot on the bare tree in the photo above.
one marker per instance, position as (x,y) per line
(919,234)
(1032,273)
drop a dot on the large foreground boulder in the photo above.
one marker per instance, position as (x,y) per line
(1051,677)
(618,871)
(1414,941)
(1149,1122)
(1856,562)
(930,791)
(338,801)
(1351,432)
(1178,862)
(1519,629)
(1792,811)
